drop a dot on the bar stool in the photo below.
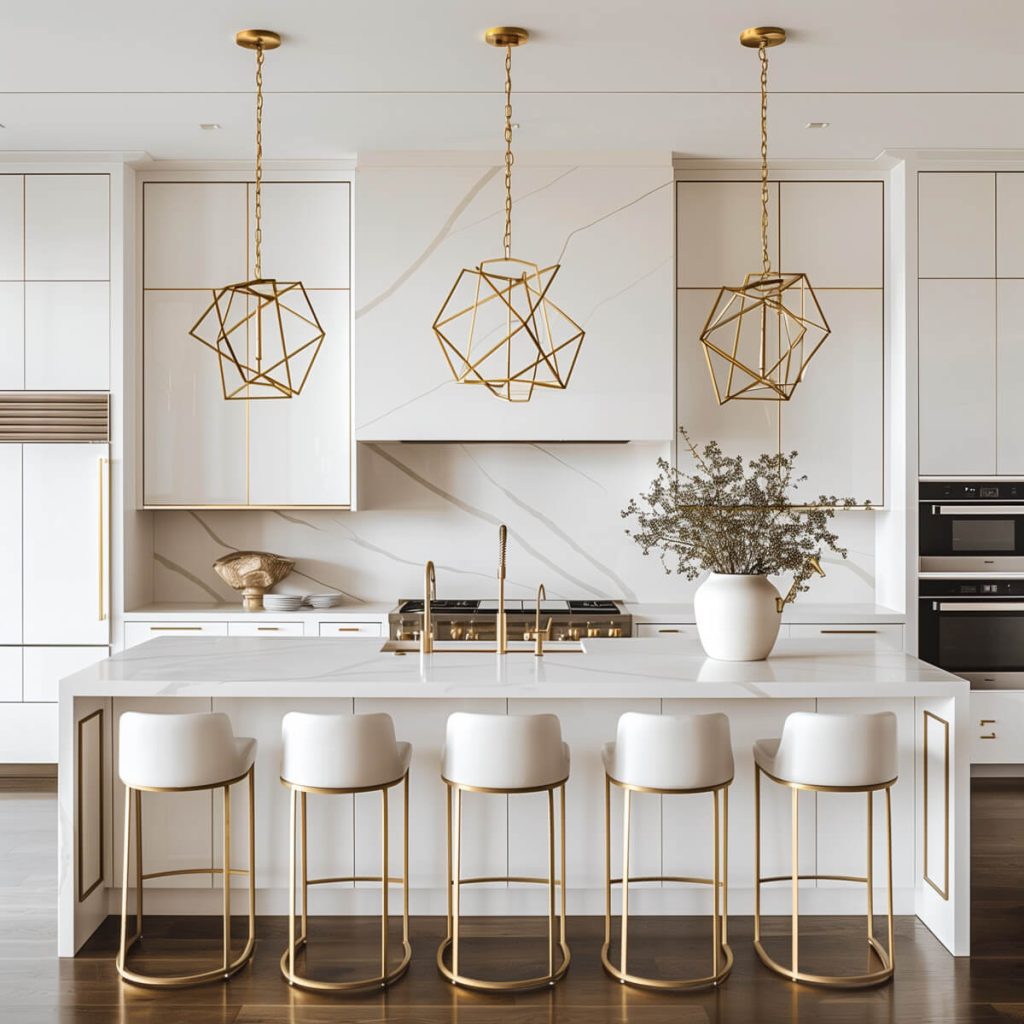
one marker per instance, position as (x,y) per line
(508,754)
(829,753)
(670,755)
(341,755)
(160,753)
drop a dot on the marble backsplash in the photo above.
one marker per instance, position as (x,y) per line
(444,502)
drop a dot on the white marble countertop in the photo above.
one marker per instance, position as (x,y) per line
(613,669)
(797,613)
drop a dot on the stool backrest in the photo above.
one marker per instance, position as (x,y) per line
(339,751)
(819,749)
(673,751)
(161,751)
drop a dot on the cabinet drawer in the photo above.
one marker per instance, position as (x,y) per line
(669,630)
(271,629)
(140,632)
(997,728)
(884,636)
(349,629)
(28,734)
(45,667)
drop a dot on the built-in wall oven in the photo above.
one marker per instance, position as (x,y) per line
(971,527)
(974,628)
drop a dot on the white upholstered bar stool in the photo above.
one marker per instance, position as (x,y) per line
(829,753)
(670,755)
(508,754)
(342,755)
(159,753)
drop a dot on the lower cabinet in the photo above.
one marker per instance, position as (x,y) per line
(997,727)
(139,631)
(879,636)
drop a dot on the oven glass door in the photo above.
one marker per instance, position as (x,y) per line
(977,636)
(971,530)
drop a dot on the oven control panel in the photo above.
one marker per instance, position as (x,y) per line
(997,490)
(970,588)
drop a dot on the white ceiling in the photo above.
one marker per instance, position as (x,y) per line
(357,75)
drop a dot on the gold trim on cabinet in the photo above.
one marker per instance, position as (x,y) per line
(83,892)
(943,891)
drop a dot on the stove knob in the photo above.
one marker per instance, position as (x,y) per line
(593,630)
(456,631)
(615,631)
(573,632)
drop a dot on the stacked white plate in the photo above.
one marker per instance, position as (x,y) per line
(282,602)
(324,600)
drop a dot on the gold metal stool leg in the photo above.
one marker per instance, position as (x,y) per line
(721,954)
(456,881)
(298,875)
(227,967)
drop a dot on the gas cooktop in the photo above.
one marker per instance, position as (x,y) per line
(490,607)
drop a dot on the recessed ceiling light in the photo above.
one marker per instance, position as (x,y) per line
(818,124)
(515,124)
(210,127)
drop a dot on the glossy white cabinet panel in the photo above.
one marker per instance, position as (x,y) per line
(139,632)
(65,565)
(1010,224)
(12,335)
(67,227)
(195,440)
(67,335)
(832,231)
(351,629)
(1009,374)
(263,628)
(195,234)
(718,231)
(835,419)
(28,734)
(666,630)
(299,448)
(956,224)
(10,675)
(45,667)
(997,727)
(306,232)
(957,377)
(878,636)
(10,543)
(12,227)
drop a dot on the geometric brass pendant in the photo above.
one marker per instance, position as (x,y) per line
(266,335)
(759,337)
(498,328)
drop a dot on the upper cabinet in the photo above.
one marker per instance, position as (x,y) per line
(956,225)
(609,228)
(55,282)
(831,231)
(201,450)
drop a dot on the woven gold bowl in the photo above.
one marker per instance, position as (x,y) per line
(253,573)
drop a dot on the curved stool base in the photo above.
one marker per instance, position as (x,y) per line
(832,981)
(669,984)
(519,985)
(357,985)
(185,980)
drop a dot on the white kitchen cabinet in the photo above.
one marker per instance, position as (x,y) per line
(12,222)
(45,667)
(67,227)
(956,224)
(196,234)
(139,632)
(10,678)
(351,629)
(666,630)
(997,727)
(957,377)
(877,636)
(1009,374)
(28,734)
(12,335)
(267,629)
(66,542)
(1010,224)
(67,335)
(10,543)
(832,230)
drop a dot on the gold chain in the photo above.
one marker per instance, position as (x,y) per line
(259,162)
(766,263)
(509,158)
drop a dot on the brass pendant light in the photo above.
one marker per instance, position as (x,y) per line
(498,327)
(760,335)
(265,332)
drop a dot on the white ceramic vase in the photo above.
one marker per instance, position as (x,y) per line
(737,616)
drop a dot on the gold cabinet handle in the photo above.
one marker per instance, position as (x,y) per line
(268,629)
(987,736)
(668,630)
(101,465)
(349,629)
(175,629)
(848,632)
(987,721)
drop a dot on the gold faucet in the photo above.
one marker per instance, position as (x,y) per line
(538,634)
(429,594)
(501,626)
(780,602)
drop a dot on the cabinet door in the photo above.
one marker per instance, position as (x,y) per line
(10,544)
(885,636)
(45,667)
(351,629)
(28,734)
(65,544)
(12,227)
(194,440)
(1010,224)
(667,630)
(956,228)
(10,675)
(267,629)
(957,377)
(12,335)
(136,633)
(997,727)
(1010,363)
(67,227)
(67,335)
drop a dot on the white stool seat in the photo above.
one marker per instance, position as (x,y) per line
(671,752)
(158,751)
(341,751)
(832,750)
(504,752)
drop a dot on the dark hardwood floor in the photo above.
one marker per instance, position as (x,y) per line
(930,987)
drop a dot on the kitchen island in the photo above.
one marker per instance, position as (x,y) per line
(256,681)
